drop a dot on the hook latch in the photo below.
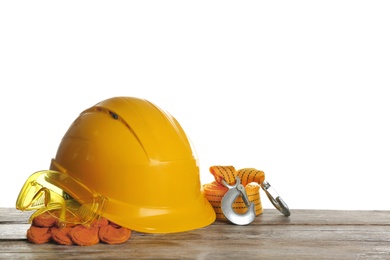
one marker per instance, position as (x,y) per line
(275,199)
(230,197)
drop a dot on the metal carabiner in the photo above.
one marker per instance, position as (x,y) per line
(275,199)
(230,197)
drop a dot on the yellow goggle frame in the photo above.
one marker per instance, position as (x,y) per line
(62,196)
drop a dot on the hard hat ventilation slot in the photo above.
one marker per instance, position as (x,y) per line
(113,115)
(104,110)
(116,117)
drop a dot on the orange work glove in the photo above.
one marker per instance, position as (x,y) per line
(44,228)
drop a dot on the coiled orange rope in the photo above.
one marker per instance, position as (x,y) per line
(250,179)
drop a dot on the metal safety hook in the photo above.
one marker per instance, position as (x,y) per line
(230,197)
(275,199)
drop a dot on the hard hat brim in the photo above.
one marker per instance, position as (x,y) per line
(196,214)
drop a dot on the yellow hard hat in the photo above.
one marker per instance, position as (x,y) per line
(138,158)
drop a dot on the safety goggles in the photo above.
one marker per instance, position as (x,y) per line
(62,196)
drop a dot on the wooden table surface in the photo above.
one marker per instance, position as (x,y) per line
(306,234)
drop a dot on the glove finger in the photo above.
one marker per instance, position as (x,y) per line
(114,234)
(38,235)
(101,222)
(44,220)
(61,235)
(84,236)
(113,224)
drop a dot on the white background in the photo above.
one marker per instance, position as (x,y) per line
(298,89)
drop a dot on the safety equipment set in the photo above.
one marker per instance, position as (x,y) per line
(125,164)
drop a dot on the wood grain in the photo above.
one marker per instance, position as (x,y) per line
(306,234)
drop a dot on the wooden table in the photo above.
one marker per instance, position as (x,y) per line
(306,234)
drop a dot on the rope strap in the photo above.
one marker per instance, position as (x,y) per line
(250,179)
